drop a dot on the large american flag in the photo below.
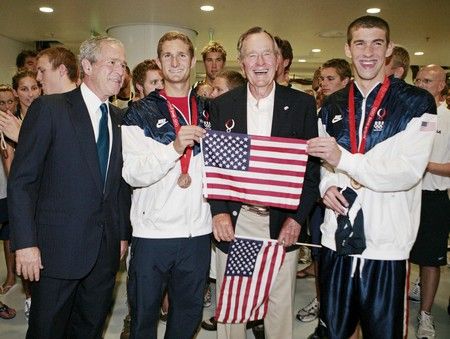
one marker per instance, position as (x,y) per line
(252,267)
(256,170)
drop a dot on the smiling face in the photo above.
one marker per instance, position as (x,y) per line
(175,61)
(368,49)
(258,61)
(27,91)
(105,75)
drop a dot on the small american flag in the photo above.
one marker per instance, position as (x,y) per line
(252,267)
(428,126)
(256,170)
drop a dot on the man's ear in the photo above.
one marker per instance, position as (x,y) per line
(158,62)
(241,66)
(140,89)
(62,69)
(390,48)
(193,61)
(87,66)
(347,51)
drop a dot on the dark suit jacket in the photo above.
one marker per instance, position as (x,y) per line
(294,116)
(56,195)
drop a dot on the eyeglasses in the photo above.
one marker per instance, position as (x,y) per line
(7,102)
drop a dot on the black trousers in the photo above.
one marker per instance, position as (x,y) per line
(78,308)
(371,292)
(181,265)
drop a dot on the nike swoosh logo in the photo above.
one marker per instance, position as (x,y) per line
(161,123)
(336,119)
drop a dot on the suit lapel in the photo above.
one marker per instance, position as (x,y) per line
(239,111)
(281,111)
(82,124)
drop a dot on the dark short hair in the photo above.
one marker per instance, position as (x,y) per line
(251,31)
(286,51)
(140,71)
(20,75)
(62,56)
(234,79)
(368,21)
(341,66)
(214,46)
(22,56)
(169,36)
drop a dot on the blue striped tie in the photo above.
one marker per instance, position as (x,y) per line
(103,141)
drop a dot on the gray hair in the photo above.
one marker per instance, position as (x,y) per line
(251,31)
(90,49)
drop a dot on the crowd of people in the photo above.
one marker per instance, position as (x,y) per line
(103,164)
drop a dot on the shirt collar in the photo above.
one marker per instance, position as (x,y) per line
(370,91)
(263,101)
(91,100)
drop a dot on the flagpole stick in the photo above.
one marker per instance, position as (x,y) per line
(307,244)
(262,239)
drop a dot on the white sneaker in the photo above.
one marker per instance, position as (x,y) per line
(425,329)
(304,255)
(310,312)
(414,292)
(27,307)
(163,316)
(207,297)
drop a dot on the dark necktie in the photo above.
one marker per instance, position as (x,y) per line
(103,141)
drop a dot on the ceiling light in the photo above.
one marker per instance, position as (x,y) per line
(46,9)
(316,50)
(301,60)
(207,8)
(373,10)
(419,53)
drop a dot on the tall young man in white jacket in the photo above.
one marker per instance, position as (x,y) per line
(171,220)
(380,133)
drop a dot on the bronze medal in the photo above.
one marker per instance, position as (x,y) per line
(184,181)
(356,185)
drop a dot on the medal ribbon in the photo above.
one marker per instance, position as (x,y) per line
(370,118)
(186,157)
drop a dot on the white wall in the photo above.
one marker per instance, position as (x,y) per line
(9,49)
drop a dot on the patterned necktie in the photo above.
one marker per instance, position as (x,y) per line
(103,142)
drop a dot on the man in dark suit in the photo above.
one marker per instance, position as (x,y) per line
(265,108)
(68,205)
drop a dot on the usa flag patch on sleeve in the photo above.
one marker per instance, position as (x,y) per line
(428,126)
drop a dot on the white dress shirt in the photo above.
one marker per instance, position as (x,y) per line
(260,113)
